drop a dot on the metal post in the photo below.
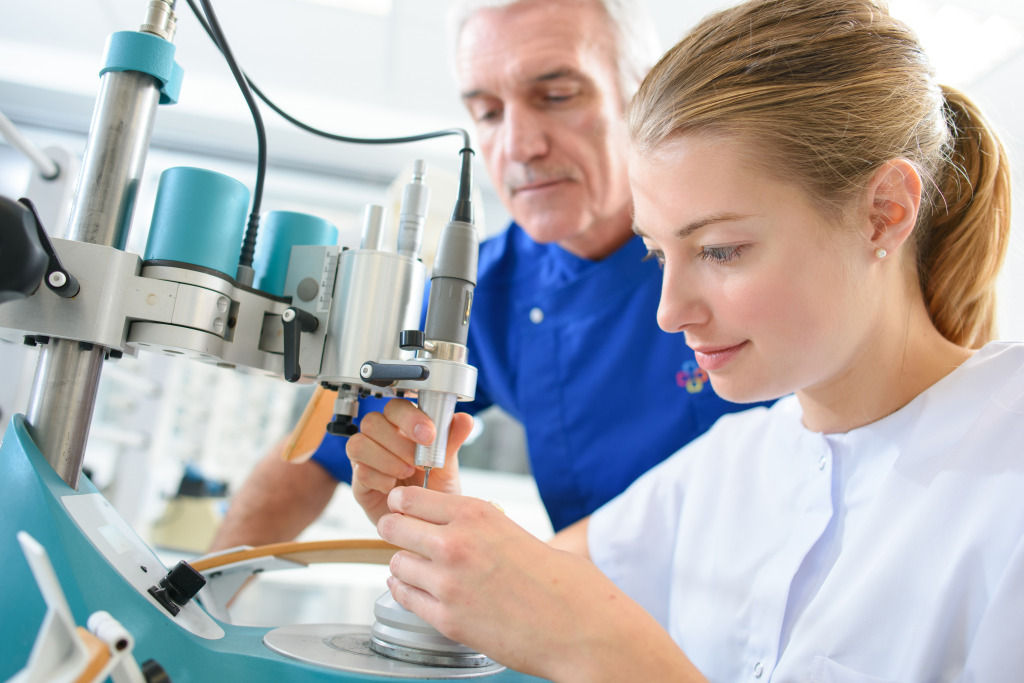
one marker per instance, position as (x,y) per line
(61,405)
(67,375)
(119,136)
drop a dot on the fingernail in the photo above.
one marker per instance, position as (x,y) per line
(421,433)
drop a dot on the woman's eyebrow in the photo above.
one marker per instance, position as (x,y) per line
(687,230)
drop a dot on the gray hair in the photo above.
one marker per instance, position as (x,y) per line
(637,44)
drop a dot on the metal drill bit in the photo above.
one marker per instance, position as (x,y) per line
(426,476)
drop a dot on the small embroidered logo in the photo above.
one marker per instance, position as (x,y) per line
(692,377)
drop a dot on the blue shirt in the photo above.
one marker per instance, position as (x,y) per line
(571,348)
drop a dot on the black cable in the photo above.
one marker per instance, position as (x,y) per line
(463,207)
(360,141)
(249,243)
(334,136)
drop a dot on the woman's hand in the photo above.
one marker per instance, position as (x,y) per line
(481,580)
(383,452)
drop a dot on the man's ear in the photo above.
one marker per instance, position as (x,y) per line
(894,197)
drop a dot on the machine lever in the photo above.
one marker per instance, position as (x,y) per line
(22,259)
(58,279)
(386,374)
(296,321)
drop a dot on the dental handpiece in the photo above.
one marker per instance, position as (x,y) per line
(447,325)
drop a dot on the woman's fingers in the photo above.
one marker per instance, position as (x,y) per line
(412,524)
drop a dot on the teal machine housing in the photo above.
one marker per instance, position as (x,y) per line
(100,562)
(36,500)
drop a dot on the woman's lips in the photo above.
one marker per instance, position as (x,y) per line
(715,358)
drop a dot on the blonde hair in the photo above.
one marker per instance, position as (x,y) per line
(830,90)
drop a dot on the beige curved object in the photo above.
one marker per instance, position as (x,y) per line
(307,434)
(351,551)
(228,572)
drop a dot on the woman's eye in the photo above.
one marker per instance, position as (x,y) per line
(720,254)
(657,255)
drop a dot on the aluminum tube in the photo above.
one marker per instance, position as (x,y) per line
(412,217)
(67,377)
(440,407)
(122,124)
(61,405)
(373,228)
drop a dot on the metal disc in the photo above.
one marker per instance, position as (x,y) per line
(346,647)
(417,656)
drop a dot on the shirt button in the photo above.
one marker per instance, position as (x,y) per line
(758,670)
(821,462)
(536,315)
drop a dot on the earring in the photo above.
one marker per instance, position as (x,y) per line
(880,253)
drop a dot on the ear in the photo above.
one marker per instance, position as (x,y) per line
(894,197)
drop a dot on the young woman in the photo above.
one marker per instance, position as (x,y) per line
(830,223)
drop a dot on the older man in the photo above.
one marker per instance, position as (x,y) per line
(563,331)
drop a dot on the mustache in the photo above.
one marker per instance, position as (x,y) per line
(518,176)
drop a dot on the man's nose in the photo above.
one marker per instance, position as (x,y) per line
(525,135)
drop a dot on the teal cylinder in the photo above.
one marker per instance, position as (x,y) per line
(279,232)
(198,218)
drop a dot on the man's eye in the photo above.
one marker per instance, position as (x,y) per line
(657,255)
(720,254)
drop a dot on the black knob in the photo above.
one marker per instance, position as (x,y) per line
(179,586)
(410,340)
(182,582)
(153,672)
(341,425)
(22,258)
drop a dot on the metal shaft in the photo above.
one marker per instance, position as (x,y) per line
(61,404)
(67,376)
(440,407)
(122,124)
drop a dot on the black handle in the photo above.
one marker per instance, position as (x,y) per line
(22,258)
(58,279)
(386,374)
(296,321)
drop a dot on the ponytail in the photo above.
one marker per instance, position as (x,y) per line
(963,238)
(831,90)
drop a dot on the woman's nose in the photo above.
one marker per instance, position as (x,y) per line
(681,304)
